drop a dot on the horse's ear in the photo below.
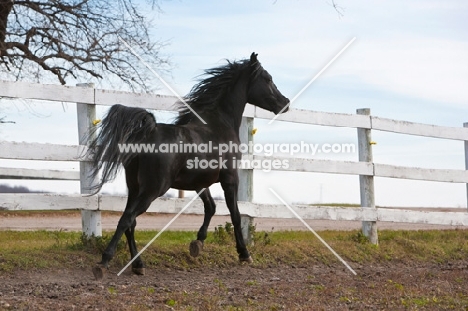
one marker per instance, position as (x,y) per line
(253,58)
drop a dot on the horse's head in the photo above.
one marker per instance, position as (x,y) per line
(262,91)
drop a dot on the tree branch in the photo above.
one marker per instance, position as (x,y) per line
(78,39)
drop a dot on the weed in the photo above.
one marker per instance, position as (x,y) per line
(149,290)
(360,238)
(418,302)
(221,286)
(94,244)
(344,299)
(397,286)
(318,287)
(58,237)
(262,238)
(170,302)
(252,283)
(229,228)
(223,234)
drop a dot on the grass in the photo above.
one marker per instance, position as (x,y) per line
(41,250)
(44,249)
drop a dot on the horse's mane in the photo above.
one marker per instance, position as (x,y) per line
(205,95)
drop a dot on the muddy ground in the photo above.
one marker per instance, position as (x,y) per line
(393,286)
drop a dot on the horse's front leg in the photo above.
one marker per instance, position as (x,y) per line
(230,194)
(196,246)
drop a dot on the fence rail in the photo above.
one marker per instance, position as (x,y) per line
(46,201)
(89,97)
(55,152)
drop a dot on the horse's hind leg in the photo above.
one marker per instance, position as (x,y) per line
(138,202)
(196,246)
(134,208)
(131,177)
(138,266)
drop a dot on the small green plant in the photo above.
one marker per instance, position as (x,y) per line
(261,238)
(220,284)
(97,244)
(148,289)
(170,302)
(344,299)
(224,234)
(397,285)
(58,237)
(318,287)
(252,283)
(417,302)
(229,228)
(360,238)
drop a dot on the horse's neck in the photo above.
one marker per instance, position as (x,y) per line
(233,104)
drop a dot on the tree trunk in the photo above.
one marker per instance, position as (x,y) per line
(5,9)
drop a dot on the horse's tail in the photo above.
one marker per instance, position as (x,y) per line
(121,127)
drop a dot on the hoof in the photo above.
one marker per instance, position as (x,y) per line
(139,271)
(247,260)
(196,246)
(98,272)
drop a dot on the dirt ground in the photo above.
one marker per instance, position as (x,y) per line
(377,287)
(392,285)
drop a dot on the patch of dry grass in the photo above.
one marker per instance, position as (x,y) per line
(22,249)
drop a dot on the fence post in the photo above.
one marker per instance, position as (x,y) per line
(86,114)
(181,194)
(245,192)
(369,228)
(466,163)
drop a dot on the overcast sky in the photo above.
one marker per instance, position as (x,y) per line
(409,62)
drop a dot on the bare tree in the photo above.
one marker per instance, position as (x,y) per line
(78,40)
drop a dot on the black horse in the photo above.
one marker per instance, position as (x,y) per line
(212,115)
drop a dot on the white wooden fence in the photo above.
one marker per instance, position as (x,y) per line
(88,97)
